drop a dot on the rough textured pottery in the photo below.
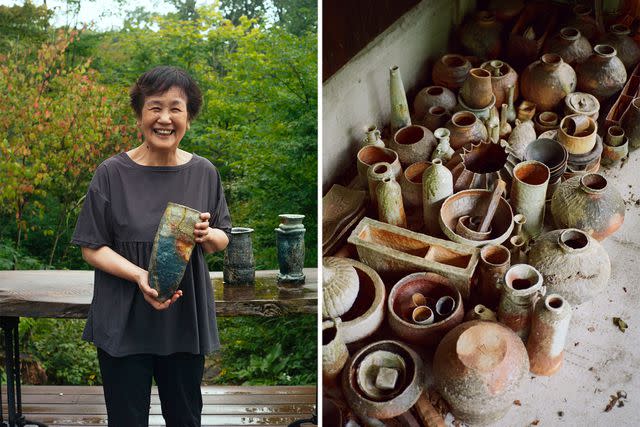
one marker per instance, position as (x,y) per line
(377,173)
(334,350)
(551,153)
(435,118)
(478,368)
(370,155)
(573,264)
(399,116)
(465,128)
(390,206)
(290,245)
(476,90)
(480,312)
(522,285)
(367,311)
(616,146)
(521,136)
(451,71)
(399,308)
(443,150)
(340,284)
(371,137)
(437,185)
(239,266)
(602,74)
(502,76)
(411,184)
(630,122)
(577,133)
(582,103)
(433,96)
(546,82)
(584,22)
(572,46)
(172,247)
(364,375)
(526,111)
(549,327)
(495,260)
(413,144)
(482,114)
(588,202)
(528,194)
(546,120)
(620,39)
(481,35)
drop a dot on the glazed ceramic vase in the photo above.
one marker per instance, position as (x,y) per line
(546,82)
(481,35)
(437,185)
(627,49)
(573,264)
(339,287)
(433,96)
(590,203)
(239,266)
(290,246)
(172,247)
(572,46)
(451,71)
(413,143)
(502,76)
(465,128)
(602,74)
(522,286)
(399,117)
(390,206)
(549,328)
(478,369)
(630,122)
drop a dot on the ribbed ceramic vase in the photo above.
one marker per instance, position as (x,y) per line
(546,82)
(522,286)
(239,266)
(528,194)
(630,122)
(399,117)
(573,264)
(290,245)
(549,328)
(437,185)
(602,74)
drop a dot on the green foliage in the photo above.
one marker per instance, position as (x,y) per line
(11,257)
(23,25)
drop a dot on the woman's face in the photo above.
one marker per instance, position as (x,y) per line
(164,119)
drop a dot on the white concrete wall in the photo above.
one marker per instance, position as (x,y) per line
(358,94)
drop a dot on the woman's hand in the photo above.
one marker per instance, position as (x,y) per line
(151,294)
(211,239)
(201,231)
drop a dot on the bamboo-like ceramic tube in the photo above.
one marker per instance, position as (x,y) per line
(494,262)
(528,194)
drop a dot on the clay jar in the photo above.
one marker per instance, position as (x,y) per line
(371,154)
(582,103)
(478,368)
(588,202)
(413,144)
(619,38)
(411,184)
(502,76)
(630,122)
(602,74)
(433,96)
(436,117)
(584,22)
(570,45)
(546,82)
(451,71)
(477,91)
(465,128)
(573,264)
(494,262)
(577,133)
(399,305)
(481,35)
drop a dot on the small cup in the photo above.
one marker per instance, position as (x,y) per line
(422,315)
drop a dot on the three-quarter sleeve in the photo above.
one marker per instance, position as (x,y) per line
(218,209)
(93,228)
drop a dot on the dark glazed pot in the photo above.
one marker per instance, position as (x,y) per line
(588,202)
(602,74)
(239,267)
(619,38)
(481,35)
(451,71)
(465,128)
(546,82)
(572,46)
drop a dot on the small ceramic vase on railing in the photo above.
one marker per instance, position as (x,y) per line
(399,106)
(549,328)
(239,266)
(522,286)
(290,245)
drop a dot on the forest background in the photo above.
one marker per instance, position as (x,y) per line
(65,109)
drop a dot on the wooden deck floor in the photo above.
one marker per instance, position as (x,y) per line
(223,405)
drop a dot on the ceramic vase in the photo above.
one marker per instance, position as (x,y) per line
(370,155)
(602,74)
(615,147)
(433,96)
(451,71)
(628,51)
(378,172)
(630,122)
(371,137)
(572,46)
(481,35)
(476,90)
(465,127)
(413,144)
(172,246)
(435,118)
(549,328)
(584,22)
(290,246)
(443,150)
(411,185)
(522,286)
(399,106)
(528,194)
(390,206)
(494,263)
(239,266)
(437,185)
(546,82)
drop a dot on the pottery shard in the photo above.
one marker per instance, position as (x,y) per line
(339,287)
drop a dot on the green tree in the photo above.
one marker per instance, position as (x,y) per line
(24,25)
(297,16)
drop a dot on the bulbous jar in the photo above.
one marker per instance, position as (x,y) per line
(602,74)
(413,143)
(478,368)
(572,46)
(546,82)
(588,202)
(620,39)
(573,264)
(451,71)
(433,96)
(340,286)
(630,122)
(465,128)
(481,35)
(584,22)
(502,76)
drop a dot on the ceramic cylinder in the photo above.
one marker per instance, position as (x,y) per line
(239,266)
(615,147)
(290,245)
(477,91)
(399,106)
(411,185)
(377,173)
(390,206)
(437,185)
(549,328)
(528,194)
(522,286)
(494,263)
(334,350)
(630,122)
(413,144)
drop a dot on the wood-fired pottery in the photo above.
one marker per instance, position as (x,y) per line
(465,128)
(502,76)
(602,74)
(451,71)
(626,47)
(413,144)
(549,327)
(433,96)
(481,35)
(572,46)
(546,82)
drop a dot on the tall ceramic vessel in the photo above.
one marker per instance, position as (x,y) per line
(172,247)
(528,194)
(239,267)
(630,122)
(546,82)
(437,185)
(399,106)
(290,244)
(549,328)
(573,264)
(522,285)
(494,263)
(390,206)
(602,74)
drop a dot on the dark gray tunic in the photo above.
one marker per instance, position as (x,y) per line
(123,208)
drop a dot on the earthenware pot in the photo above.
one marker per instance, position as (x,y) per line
(526,111)
(573,264)
(411,184)
(502,76)
(433,96)
(334,350)
(615,147)
(437,185)
(528,194)
(584,22)
(521,136)
(546,82)
(577,133)
(630,122)
(239,266)
(522,286)
(590,203)
(481,35)
(451,71)
(478,369)
(399,116)
(572,46)
(476,90)
(413,144)
(290,246)
(546,120)
(549,327)
(370,155)
(482,114)
(465,128)
(340,284)
(582,103)
(506,10)
(602,74)
(627,49)
(390,206)
(435,118)
(494,263)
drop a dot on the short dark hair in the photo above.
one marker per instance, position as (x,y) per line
(159,80)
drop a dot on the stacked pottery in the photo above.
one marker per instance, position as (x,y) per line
(522,286)
(502,76)
(433,96)
(478,368)
(553,155)
(451,71)
(573,47)
(588,202)
(630,122)
(546,82)
(578,133)
(549,328)
(616,146)
(582,103)
(545,121)
(413,144)
(399,106)
(602,74)
(573,264)
(370,155)
(476,94)
(465,128)
(481,35)
(620,39)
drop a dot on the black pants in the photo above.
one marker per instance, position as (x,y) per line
(127,388)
